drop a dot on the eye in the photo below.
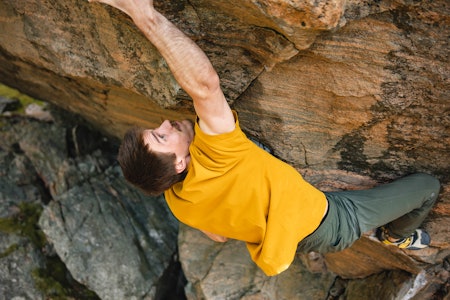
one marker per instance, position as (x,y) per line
(162,136)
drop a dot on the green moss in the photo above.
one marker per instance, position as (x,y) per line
(52,288)
(25,223)
(8,251)
(56,283)
(25,100)
(7,225)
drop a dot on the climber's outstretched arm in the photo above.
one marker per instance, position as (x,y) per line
(188,63)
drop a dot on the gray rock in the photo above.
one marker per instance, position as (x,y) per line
(7,104)
(17,178)
(18,259)
(112,239)
(225,271)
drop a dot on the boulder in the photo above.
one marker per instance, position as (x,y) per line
(351,93)
(112,239)
(225,271)
(18,259)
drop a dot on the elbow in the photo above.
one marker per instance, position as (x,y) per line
(213,81)
(210,86)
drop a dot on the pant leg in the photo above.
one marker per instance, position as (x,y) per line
(401,205)
(406,224)
(339,228)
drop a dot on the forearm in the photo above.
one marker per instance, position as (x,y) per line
(189,65)
(215,237)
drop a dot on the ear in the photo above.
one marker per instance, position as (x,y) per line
(180,165)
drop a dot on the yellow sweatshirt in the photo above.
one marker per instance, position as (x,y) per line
(235,189)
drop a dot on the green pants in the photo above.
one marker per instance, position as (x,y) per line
(401,206)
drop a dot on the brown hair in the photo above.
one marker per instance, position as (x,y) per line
(152,172)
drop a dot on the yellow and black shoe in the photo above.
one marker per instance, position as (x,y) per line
(419,239)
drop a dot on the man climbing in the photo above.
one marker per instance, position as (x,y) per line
(218,181)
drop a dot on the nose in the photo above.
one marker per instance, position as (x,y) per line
(165,125)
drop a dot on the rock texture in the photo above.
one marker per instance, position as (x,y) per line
(16,268)
(367,93)
(112,239)
(351,93)
(370,271)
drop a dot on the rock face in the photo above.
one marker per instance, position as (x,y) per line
(351,93)
(225,271)
(343,85)
(117,242)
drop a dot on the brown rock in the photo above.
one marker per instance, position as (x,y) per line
(225,271)
(352,93)
(367,257)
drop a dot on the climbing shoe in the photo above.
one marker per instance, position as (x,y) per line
(419,239)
